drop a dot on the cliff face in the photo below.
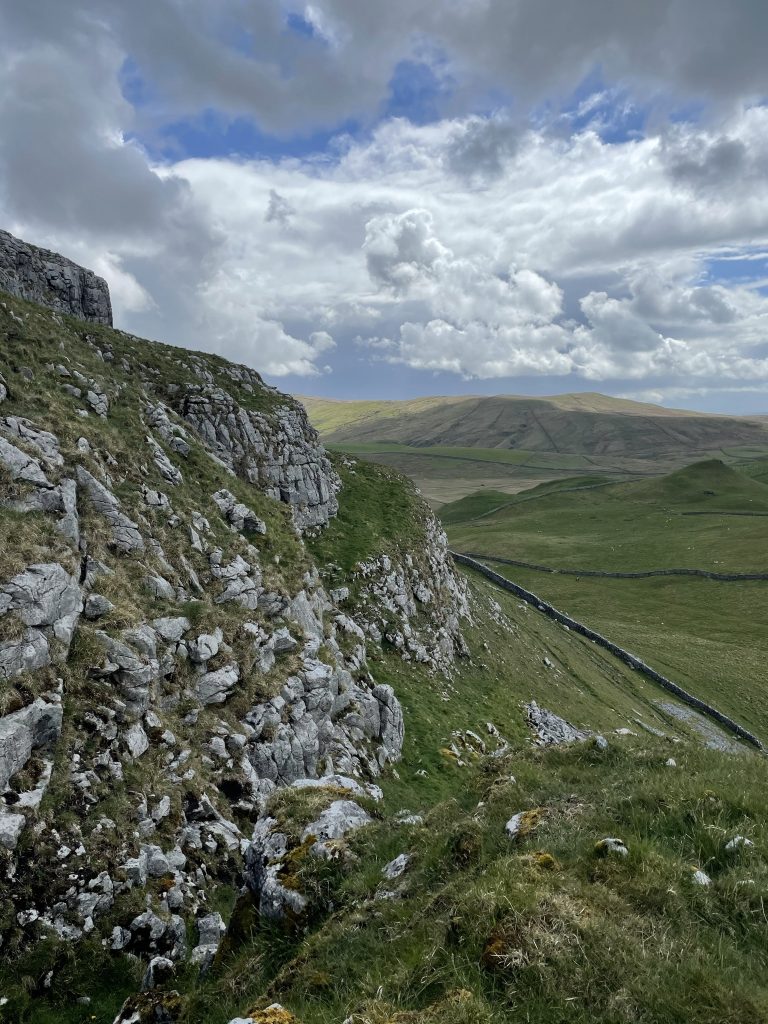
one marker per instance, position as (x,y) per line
(53,281)
(170,656)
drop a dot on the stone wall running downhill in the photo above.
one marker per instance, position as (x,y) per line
(51,280)
(721,577)
(630,659)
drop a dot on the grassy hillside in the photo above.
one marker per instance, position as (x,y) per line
(571,424)
(481,929)
(452,447)
(710,636)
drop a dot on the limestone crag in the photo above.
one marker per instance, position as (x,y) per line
(416,603)
(53,281)
(278,452)
(170,655)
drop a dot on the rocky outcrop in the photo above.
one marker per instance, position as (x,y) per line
(273,857)
(279,451)
(46,602)
(53,281)
(416,603)
(170,655)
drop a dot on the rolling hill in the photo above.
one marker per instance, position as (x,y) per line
(579,424)
(453,447)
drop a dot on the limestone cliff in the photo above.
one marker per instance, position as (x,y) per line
(170,655)
(52,280)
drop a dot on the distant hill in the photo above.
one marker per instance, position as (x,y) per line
(584,424)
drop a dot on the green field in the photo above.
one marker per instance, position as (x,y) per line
(710,636)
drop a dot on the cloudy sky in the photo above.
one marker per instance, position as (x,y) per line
(386,199)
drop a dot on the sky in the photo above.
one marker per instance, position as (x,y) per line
(383,200)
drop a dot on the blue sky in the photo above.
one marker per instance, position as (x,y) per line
(393,200)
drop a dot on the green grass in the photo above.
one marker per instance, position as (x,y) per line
(484,503)
(380,511)
(709,636)
(634,526)
(486,930)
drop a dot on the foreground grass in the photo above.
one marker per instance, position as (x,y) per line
(484,929)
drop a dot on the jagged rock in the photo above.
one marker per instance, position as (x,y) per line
(136,740)
(11,826)
(159,969)
(174,435)
(417,604)
(26,654)
(397,867)
(46,443)
(52,280)
(263,866)
(22,466)
(44,595)
(550,728)
(322,718)
(239,516)
(37,725)
(215,687)
(167,469)
(282,642)
(701,878)
(97,400)
(172,629)
(335,822)
(305,615)
(210,930)
(160,588)
(132,673)
(205,647)
(278,452)
(125,533)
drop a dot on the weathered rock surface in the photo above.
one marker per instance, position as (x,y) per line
(203,663)
(52,280)
(550,728)
(278,452)
(125,533)
(417,604)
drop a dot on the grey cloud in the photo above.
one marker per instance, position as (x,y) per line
(480,148)
(279,209)
(239,58)
(401,248)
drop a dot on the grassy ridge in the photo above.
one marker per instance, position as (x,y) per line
(632,526)
(588,424)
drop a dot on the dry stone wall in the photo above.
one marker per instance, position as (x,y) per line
(630,659)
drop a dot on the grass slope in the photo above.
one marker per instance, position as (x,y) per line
(709,636)
(483,930)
